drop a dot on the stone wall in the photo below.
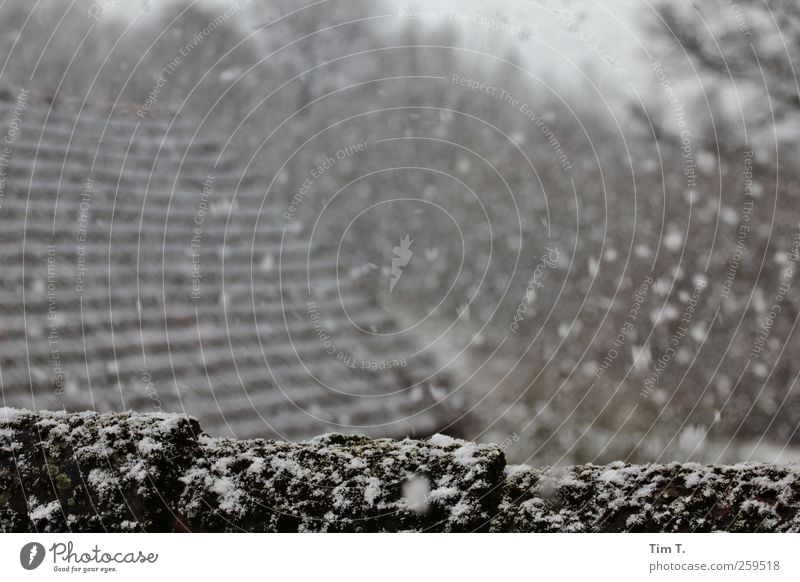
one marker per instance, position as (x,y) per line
(160,472)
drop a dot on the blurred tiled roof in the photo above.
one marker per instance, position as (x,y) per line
(111,320)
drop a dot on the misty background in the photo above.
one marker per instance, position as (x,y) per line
(602,196)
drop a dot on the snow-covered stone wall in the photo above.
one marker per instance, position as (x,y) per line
(159,472)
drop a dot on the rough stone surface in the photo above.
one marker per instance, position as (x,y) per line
(158,472)
(343,483)
(92,472)
(646,498)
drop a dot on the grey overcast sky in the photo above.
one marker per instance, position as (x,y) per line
(606,41)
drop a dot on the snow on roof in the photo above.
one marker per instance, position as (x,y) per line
(142,270)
